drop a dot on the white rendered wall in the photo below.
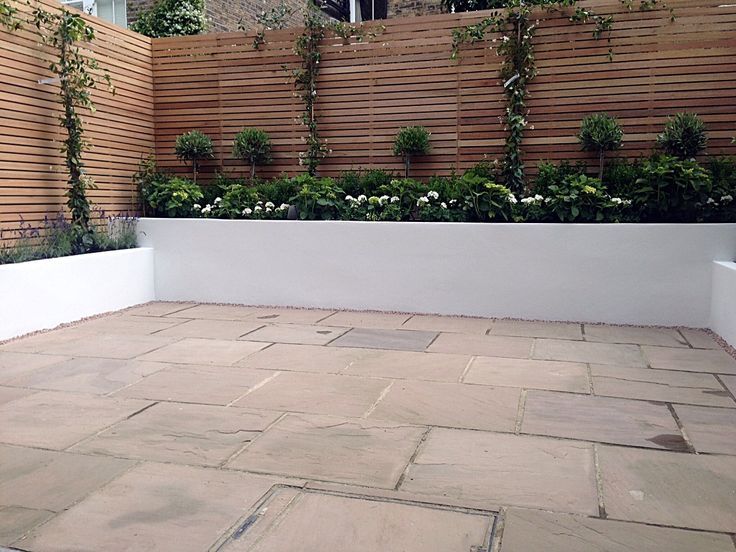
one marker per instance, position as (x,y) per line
(617,273)
(43,294)
(723,301)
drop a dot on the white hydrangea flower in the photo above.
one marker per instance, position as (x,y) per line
(453,201)
(362,198)
(710,201)
(218,200)
(283,207)
(422,200)
(512,198)
(443,205)
(269,205)
(383,199)
(527,200)
(197,207)
(206,209)
(617,200)
(394,199)
(728,198)
(257,208)
(433,194)
(538,198)
(247,211)
(349,198)
(268,209)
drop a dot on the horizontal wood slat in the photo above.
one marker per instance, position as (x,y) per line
(403,76)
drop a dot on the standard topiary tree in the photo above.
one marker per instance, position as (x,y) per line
(600,133)
(194,146)
(684,136)
(253,146)
(409,142)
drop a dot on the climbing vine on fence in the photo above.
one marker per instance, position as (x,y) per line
(516,29)
(78,73)
(9,16)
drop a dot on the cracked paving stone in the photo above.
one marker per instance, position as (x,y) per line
(153,507)
(669,488)
(364,452)
(183,433)
(659,385)
(603,419)
(537,531)
(709,429)
(486,470)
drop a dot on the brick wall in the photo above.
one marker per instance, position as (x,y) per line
(407,8)
(224,15)
(134,7)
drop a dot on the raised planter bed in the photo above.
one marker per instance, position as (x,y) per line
(723,301)
(616,273)
(37,295)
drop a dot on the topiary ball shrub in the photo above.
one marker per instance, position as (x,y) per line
(253,146)
(409,142)
(172,18)
(684,136)
(194,147)
(600,133)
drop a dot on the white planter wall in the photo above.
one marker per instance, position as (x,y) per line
(723,301)
(43,294)
(617,273)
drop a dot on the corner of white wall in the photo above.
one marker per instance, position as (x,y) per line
(723,301)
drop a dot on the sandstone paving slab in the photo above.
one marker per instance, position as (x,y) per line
(597,353)
(450,405)
(316,393)
(220,352)
(730,383)
(219,385)
(42,342)
(56,420)
(14,364)
(527,328)
(409,365)
(376,320)
(709,429)
(603,419)
(214,312)
(183,433)
(502,469)
(159,308)
(109,345)
(483,345)
(280,315)
(304,358)
(536,530)
(15,521)
(126,324)
(362,452)
(308,522)
(690,360)
(403,340)
(50,480)
(88,375)
(153,507)
(305,334)
(530,374)
(665,337)
(211,329)
(659,385)
(669,488)
(457,324)
(8,394)
(699,339)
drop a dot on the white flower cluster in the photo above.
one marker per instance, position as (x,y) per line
(532,200)
(512,199)
(431,196)
(267,207)
(619,201)
(207,209)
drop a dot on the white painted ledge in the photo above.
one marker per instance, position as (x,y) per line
(723,301)
(616,273)
(38,295)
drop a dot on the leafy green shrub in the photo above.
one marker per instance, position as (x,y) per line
(318,198)
(253,146)
(684,136)
(194,146)
(278,191)
(172,18)
(621,175)
(578,198)
(490,170)
(373,208)
(600,133)
(174,197)
(368,182)
(553,175)
(148,179)
(409,142)
(672,189)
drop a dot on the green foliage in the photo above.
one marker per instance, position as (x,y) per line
(684,136)
(578,198)
(373,208)
(57,237)
(67,33)
(409,142)
(173,197)
(600,133)
(194,146)
(318,198)
(253,146)
(9,16)
(356,183)
(672,190)
(172,18)
(275,18)
(553,175)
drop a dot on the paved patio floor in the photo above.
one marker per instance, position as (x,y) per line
(200,427)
